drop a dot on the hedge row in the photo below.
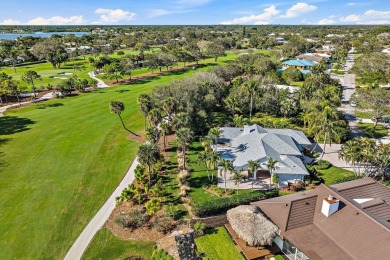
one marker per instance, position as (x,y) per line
(215,207)
(345,179)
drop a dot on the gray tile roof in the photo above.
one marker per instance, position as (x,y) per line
(257,143)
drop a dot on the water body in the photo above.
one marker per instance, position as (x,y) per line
(13,36)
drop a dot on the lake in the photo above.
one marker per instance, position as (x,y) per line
(13,36)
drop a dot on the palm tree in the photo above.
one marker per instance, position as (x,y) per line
(168,107)
(153,134)
(154,117)
(145,105)
(29,76)
(237,177)
(117,107)
(164,130)
(206,143)
(212,162)
(149,155)
(226,166)
(232,104)
(202,159)
(181,120)
(250,88)
(323,124)
(215,132)
(184,136)
(350,153)
(272,166)
(253,166)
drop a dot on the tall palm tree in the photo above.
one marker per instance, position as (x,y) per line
(206,143)
(322,124)
(169,106)
(250,88)
(149,155)
(181,120)
(153,135)
(117,107)
(253,166)
(154,117)
(212,162)
(164,126)
(184,136)
(350,153)
(202,159)
(215,132)
(237,177)
(272,166)
(226,166)
(145,105)
(232,104)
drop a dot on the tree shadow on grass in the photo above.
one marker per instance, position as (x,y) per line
(3,163)
(199,182)
(122,90)
(44,106)
(12,124)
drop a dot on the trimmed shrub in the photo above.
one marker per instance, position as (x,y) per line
(219,206)
(160,254)
(199,226)
(323,165)
(297,186)
(345,179)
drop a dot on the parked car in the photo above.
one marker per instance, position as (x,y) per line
(353,104)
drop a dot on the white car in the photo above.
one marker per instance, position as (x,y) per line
(353,104)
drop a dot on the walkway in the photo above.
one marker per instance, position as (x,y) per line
(43,98)
(101,83)
(78,248)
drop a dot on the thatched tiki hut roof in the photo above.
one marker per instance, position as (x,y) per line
(251,225)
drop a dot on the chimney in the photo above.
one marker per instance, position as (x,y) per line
(247,129)
(330,205)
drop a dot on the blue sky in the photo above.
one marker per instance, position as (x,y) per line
(153,12)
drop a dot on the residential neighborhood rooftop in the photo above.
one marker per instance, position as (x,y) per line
(338,235)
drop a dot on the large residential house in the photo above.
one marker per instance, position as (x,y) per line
(303,65)
(345,221)
(256,143)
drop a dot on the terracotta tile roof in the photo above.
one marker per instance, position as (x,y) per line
(344,231)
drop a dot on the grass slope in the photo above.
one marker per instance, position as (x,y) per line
(60,161)
(106,246)
(217,244)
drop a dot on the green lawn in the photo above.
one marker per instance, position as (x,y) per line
(368,130)
(106,246)
(217,244)
(363,114)
(60,161)
(297,83)
(334,173)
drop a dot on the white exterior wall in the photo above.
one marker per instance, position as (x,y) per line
(290,177)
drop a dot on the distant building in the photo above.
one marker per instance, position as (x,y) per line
(311,57)
(303,65)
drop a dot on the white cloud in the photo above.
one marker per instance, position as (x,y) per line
(377,14)
(264,18)
(58,20)
(161,12)
(113,16)
(326,21)
(351,4)
(298,9)
(350,18)
(10,22)
(368,17)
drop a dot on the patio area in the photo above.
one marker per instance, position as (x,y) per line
(252,252)
(262,181)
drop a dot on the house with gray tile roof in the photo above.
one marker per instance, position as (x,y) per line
(256,143)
